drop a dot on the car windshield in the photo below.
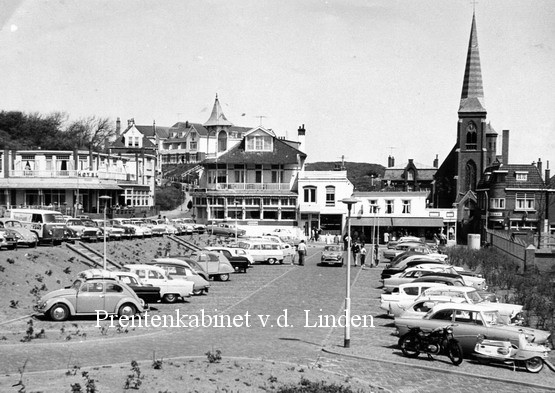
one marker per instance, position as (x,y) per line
(332,248)
(492,317)
(58,218)
(475,297)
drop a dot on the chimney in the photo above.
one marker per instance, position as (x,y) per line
(436,162)
(130,122)
(539,165)
(505,147)
(118,127)
(390,162)
(302,137)
(186,123)
(547,172)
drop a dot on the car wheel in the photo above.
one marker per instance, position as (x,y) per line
(59,312)
(224,277)
(534,365)
(198,292)
(127,310)
(271,261)
(34,245)
(410,344)
(455,352)
(170,297)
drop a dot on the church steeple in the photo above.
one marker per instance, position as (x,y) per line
(217,118)
(472,96)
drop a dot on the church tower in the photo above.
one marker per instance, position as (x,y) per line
(472,145)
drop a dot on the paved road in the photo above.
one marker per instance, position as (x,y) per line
(269,292)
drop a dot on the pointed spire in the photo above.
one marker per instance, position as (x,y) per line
(472,96)
(217,118)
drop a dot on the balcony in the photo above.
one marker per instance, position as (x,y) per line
(250,186)
(71,174)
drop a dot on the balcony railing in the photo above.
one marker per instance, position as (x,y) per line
(70,174)
(250,186)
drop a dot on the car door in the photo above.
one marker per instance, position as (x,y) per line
(113,294)
(468,325)
(90,298)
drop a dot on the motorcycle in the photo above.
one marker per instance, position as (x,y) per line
(438,341)
(529,354)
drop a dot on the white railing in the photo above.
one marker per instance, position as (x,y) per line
(70,174)
(250,186)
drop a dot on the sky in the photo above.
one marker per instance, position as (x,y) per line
(368,79)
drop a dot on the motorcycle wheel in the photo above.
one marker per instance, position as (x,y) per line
(534,365)
(455,352)
(410,345)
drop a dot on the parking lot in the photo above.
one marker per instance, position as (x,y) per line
(286,313)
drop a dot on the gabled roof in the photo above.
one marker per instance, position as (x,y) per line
(472,96)
(424,172)
(119,144)
(281,154)
(534,178)
(186,126)
(217,117)
(152,130)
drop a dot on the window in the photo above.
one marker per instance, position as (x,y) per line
(310,194)
(410,175)
(497,203)
(373,206)
(259,143)
(470,178)
(406,206)
(471,137)
(389,206)
(222,141)
(524,201)
(330,196)
(521,176)
(192,145)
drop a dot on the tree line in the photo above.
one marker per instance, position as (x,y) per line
(54,131)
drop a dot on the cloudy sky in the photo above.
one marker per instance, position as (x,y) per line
(367,78)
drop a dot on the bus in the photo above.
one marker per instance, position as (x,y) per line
(48,225)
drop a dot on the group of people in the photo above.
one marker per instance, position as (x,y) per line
(359,254)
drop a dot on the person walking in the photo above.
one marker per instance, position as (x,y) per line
(356,250)
(301,250)
(363,256)
(376,254)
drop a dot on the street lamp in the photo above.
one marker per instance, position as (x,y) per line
(236,214)
(347,343)
(105,198)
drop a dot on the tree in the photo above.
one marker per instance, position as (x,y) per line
(91,133)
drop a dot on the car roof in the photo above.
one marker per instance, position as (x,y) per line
(422,283)
(455,289)
(173,261)
(143,266)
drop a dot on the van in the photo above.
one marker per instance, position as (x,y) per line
(263,251)
(48,225)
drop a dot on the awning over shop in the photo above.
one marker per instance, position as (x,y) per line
(371,221)
(432,222)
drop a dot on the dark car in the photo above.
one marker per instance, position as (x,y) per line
(8,238)
(401,267)
(239,263)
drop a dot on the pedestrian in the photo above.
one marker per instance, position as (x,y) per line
(363,256)
(386,237)
(346,239)
(301,250)
(376,254)
(355,248)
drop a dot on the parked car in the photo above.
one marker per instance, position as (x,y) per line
(178,269)
(263,251)
(147,293)
(8,239)
(413,273)
(512,313)
(470,321)
(400,248)
(224,229)
(131,231)
(194,265)
(237,251)
(112,232)
(332,255)
(197,228)
(24,236)
(170,290)
(239,262)
(86,296)
(404,295)
(408,261)
(217,265)
(422,305)
(142,228)
(443,278)
(158,228)
(84,230)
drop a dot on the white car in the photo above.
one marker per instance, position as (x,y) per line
(170,290)
(422,305)
(412,274)
(405,295)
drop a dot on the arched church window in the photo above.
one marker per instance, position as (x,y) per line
(471,136)
(470,178)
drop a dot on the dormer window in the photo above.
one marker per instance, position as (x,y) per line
(521,176)
(259,143)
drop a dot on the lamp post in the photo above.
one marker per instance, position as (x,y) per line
(347,342)
(105,198)
(236,214)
